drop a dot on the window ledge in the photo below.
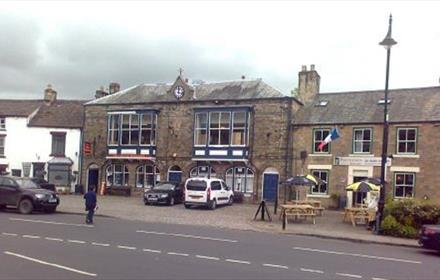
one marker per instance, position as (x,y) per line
(319,195)
(361,155)
(320,155)
(405,156)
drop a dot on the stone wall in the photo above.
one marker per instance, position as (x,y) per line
(425,161)
(268,138)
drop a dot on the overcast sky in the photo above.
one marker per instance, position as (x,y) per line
(79,46)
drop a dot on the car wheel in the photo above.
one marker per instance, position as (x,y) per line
(146,202)
(231,200)
(2,207)
(187,206)
(50,210)
(25,206)
(171,201)
(213,204)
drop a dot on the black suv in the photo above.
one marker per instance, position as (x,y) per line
(24,194)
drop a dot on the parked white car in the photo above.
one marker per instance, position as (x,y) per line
(207,192)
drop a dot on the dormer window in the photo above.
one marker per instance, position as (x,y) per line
(382,101)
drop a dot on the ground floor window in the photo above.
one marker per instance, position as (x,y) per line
(241,179)
(404,184)
(117,175)
(147,176)
(321,189)
(16,172)
(202,171)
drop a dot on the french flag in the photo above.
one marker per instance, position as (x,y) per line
(334,134)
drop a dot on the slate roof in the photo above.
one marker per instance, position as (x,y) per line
(60,114)
(18,108)
(151,93)
(406,105)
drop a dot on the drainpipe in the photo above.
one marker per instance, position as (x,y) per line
(289,146)
(80,154)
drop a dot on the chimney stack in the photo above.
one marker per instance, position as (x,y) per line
(114,87)
(50,96)
(100,92)
(308,84)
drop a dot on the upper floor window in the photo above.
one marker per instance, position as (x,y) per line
(404,184)
(318,137)
(132,129)
(221,128)
(321,189)
(2,146)
(148,125)
(406,140)
(58,144)
(117,175)
(362,138)
(2,123)
(113,129)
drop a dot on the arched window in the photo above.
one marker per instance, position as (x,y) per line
(202,171)
(147,176)
(241,179)
(116,175)
(175,174)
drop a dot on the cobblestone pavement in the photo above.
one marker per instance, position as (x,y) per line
(238,216)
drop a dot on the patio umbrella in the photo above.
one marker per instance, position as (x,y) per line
(363,186)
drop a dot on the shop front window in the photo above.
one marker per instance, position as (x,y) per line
(147,176)
(241,179)
(202,171)
(117,175)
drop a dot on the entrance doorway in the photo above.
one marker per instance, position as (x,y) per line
(175,174)
(38,169)
(358,197)
(93,178)
(270,185)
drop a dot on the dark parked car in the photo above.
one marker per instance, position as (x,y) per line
(43,184)
(430,237)
(164,193)
(24,194)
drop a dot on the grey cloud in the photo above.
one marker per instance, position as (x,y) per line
(80,58)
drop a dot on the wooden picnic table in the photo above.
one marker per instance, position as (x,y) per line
(353,214)
(315,203)
(297,211)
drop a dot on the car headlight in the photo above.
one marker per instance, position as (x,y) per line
(40,196)
(164,195)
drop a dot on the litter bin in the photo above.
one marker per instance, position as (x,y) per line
(342,202)
(79,189)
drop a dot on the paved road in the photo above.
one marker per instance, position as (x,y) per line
(61,246)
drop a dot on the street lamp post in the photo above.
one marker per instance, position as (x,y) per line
(388,42)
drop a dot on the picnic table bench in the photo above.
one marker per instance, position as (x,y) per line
(297,211)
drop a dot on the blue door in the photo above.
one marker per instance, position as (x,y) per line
(270,185)
(175,176)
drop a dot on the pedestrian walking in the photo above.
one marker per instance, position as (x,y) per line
(90,201)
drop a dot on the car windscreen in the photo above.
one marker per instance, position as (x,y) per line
(165,187)
(196,185)
(26,184)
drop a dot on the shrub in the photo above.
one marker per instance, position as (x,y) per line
(390,226)
(404,218)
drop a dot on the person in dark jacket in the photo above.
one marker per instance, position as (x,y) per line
(90,200)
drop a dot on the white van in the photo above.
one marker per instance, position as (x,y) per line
(207,192)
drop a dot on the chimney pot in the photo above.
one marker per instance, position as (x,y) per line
(304,68)
(312,67)
(243,77)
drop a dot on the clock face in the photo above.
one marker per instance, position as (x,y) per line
(179,92)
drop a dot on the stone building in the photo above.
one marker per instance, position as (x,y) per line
(236,130)
(413,149)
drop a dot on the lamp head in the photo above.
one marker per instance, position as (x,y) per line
(388,41)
